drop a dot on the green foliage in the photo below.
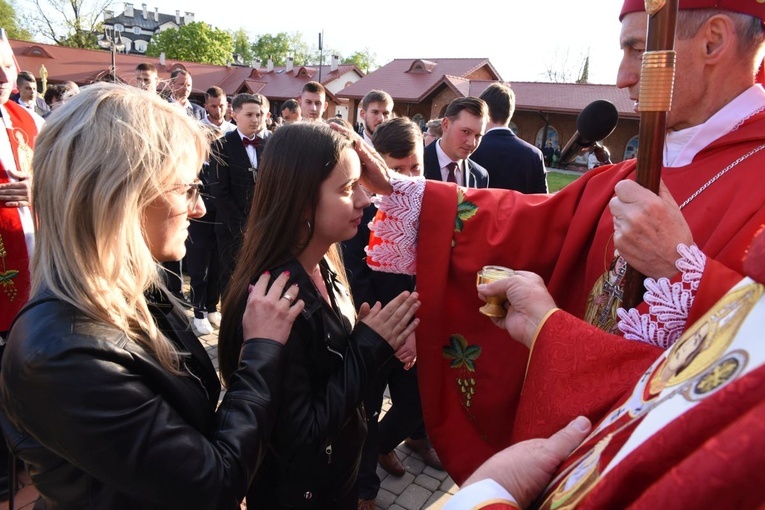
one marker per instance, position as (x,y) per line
(364,60)
(283,45)
(303,53)
(195,42)
(276,47)
(242,45)
(11,24)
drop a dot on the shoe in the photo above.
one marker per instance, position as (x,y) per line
(203,326)
(391,463)
(367,504)
(426,451)
(214,318)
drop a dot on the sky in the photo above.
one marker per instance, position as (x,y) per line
(521,39)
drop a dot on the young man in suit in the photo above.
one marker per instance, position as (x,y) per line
(376,108)
(511,162)
(447,159)
(202,262)
(233,172)
(28,96)
(313,101)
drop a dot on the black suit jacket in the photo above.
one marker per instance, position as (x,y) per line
(475,177)
(232,181)
(511,162)
(198,112)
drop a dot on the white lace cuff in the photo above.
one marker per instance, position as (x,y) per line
(668,303)
(393,248)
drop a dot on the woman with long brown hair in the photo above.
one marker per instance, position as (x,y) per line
(307,200)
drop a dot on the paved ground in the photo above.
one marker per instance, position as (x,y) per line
(422,487)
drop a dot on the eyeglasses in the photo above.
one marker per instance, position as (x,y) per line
(193,191)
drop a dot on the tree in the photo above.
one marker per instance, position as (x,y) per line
(276,47)
(584,74)
(563,68)
(301,52)
(242,45)
(364,60)
(73,23)
(195,42)
(10,22)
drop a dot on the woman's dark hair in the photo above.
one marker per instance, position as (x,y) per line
(296,160)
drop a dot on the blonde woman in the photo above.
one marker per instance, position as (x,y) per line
(108,396)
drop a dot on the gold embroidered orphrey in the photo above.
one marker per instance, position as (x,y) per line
(24,152)
(699,364)
(7,275)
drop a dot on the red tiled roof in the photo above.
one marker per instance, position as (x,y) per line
(397,79)
(568,97)
(85,66)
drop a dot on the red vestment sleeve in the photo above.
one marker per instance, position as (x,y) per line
(576,369)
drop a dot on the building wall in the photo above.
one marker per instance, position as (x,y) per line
(530,122)
(481,74)
(342,81)
(440,101)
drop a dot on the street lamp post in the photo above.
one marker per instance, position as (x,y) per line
(112,41)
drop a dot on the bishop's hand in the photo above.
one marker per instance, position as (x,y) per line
(374,172)
(648,228)
(525,468)
(16,194)
(527,304)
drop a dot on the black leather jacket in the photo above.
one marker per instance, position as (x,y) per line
(101,425)
(313,458)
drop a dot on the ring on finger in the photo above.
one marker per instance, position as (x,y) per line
(287,297)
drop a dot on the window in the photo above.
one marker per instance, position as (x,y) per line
(513,128)
(119,27)
(137,30)
(552,136)
(140,46)
(630,151)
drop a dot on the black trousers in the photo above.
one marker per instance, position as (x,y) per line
(403,419)
(228,249)
(202,264)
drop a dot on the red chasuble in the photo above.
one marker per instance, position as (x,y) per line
(14,256)
(470,372)
(689,434)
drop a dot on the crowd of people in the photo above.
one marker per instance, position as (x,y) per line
(337,264)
